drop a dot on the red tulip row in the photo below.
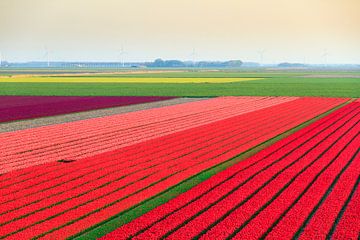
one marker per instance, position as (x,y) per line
(348,220)
(78,195)
(294,188)
(84,138)
(326,213)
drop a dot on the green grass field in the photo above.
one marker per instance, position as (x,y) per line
(273,84)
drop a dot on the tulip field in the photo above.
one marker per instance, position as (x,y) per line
(78,179)
(305,186)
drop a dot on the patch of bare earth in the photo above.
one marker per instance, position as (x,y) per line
(90,74)
(333,76)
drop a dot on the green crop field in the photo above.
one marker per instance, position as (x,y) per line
(326,84)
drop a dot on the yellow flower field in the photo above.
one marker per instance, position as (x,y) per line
(122,80)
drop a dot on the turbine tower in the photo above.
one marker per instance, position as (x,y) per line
(0,59)
(121,54)
(47,56)
(192,56)
(325,56)
(261,56)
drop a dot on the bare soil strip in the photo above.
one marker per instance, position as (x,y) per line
(333,76)
(92,73)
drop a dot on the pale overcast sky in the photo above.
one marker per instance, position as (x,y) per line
(95,30)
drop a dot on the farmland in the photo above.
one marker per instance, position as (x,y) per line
(267,84)
(123,155)
(180,120)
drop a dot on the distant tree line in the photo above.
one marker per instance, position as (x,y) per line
(202,64)
(291,65)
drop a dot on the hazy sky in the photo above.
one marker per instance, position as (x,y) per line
(288,30)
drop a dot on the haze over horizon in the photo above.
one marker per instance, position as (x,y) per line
(93,30)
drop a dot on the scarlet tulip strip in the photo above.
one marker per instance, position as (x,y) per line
(347,224)
(325,214)
(323,169)
(318,185)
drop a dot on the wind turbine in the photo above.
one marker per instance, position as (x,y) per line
(192,56)
(304,60)
(121,54)
(325,57)
(0,59)
(47,56)
(261,55)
